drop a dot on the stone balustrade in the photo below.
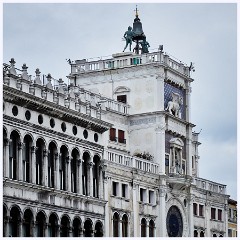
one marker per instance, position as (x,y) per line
(132,161)
(209,185)
(127,59)
(50,89)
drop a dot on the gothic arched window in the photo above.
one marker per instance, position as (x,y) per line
(116,225)
(143,227)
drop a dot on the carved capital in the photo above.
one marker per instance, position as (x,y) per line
(79,161)
(45,153)
(34,149)
(90,164)
(56,156)
(68,159)
(6,141)
(20,145)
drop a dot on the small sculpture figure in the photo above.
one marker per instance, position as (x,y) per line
(145,45)
(128,35)
(173,106)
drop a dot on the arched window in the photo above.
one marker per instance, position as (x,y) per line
(13,155)
(195,233)
(41,222)
(15,217)
(214,235)
(98,229)
(76,227)
(40,146)
(96,163)
(143,227)
(27,158)
(88,231)
(151,228)
(74,166)
(28,223)
(116,225)
(85,174)
(63,167)
(53,225)
(201,234)
(65,226)
(125,226)
(51,164)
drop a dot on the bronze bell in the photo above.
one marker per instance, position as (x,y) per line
(137,29)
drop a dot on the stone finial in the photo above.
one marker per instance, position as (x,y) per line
(24,72)
(60,88)
(49,84)
(12,69)
(37,80)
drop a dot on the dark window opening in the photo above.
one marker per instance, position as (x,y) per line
(113,134)
(121,137)
(122,98)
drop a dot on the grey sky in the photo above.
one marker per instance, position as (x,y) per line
(44,35)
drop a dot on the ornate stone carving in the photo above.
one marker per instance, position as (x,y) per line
(173,106)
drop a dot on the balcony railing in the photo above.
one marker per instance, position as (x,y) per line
(134,162)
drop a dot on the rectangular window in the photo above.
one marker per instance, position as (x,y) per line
(121,136)
(115,188)
(195,209)
(122,98)
(124,190)
(200,210)
(230,233)
(213,213)
(219,214)
(151,197)
(143,193)
(112,134)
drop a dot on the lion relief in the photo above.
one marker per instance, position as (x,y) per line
(173,107)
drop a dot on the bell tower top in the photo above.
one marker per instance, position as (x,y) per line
(136,35)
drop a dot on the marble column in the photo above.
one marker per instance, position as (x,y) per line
(79,176)
(135,211)
(68,160)
(147,228)
(56,171)
(46,230)
(107,219)
(70,233)
(58,231)
(33,164)
(190,216)
(20,161)
(6,157)
(45,168)
(34,229)
(100,184)
(162,212)
(20,228)
(6,222)
(90,179)
(120,227)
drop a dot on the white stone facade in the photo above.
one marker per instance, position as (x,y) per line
(107,155)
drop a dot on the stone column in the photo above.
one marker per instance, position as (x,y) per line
(207,219)
(189,151)
(160,144)
(33,164)
(188,101)
(20,161)
(46,230)
(68,160)
(107,219)
(6,158)
(6,222)
(45,168)
(58,231)
(120,228)
(135,210)
(20,228)
(162,212)
(79,176)
(90,179)
(70,233)
(100,189)
(190,216)
(34,232)
(56,172)
(147,228)
(81,232)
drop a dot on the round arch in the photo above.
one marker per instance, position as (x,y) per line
(77,226)
(98,229)
(88,228)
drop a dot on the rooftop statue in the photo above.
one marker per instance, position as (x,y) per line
(128,35)
(145,45)
(136,35)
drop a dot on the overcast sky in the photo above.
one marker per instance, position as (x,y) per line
(44,35)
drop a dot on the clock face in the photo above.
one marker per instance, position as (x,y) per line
(174,222)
